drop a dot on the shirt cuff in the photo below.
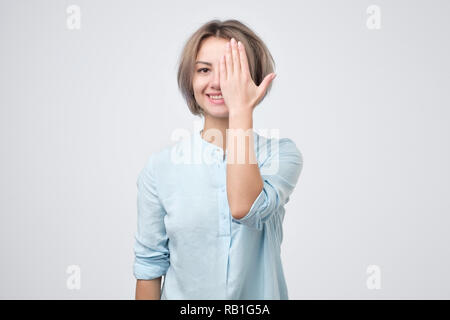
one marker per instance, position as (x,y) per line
(252,218)
(143,271)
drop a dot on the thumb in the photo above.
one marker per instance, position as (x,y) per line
(265,83)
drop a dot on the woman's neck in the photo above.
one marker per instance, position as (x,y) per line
(215,131)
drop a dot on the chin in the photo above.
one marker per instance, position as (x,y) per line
(217,112)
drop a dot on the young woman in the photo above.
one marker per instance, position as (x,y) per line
(214,228)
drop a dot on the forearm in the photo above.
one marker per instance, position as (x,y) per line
(148,289)
(244,181)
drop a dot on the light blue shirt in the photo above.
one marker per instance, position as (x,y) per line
(186,232)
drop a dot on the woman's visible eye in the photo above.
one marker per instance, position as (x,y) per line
(200,70)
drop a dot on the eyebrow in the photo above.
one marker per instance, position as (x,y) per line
(207,63)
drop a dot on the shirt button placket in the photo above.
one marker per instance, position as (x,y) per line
(223,213)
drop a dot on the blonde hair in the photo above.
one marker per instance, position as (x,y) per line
(260,61)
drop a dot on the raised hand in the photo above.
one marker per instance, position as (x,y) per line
(239,91)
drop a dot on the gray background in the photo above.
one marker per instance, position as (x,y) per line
(81,111)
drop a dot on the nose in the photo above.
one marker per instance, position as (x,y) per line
(215,79)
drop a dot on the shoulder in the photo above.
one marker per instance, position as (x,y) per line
(162,158)
(270,147)
(289,148)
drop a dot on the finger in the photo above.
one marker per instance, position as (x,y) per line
(243,59)
(235,55)
(228,60)
(262,88)
(222,71)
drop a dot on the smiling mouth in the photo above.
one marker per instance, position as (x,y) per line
(215,101)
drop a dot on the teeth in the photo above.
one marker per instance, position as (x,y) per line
(216,97)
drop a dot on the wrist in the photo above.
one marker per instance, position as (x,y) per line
(240,113)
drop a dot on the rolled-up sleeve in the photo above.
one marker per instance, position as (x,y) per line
(151,241)
(278,186)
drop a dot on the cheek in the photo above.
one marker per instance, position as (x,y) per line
(199,86)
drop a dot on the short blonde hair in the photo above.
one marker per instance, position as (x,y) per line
(261,62)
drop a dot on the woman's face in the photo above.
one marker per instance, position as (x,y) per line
(205,81)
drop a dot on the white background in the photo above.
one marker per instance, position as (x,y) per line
(82,110)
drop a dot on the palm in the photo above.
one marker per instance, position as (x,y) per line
(238,89)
